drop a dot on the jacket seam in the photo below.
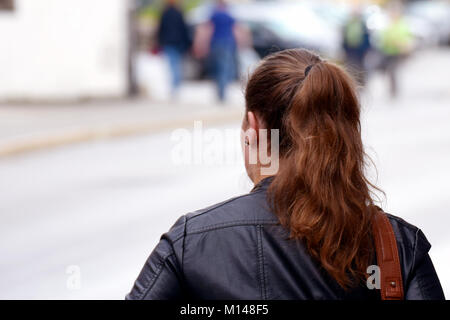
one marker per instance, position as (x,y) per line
(419,280)
(224,203)
(258,253)
(151,282)
(225,225)
(262,274)
(232,224)
(183,236)
(415,248)
(183,245)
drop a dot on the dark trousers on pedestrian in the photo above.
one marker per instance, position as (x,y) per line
(391,67)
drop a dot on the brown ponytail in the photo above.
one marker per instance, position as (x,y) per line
(320,191)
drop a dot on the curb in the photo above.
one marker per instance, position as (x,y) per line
(45,141)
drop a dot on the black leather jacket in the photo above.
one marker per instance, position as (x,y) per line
(238,250)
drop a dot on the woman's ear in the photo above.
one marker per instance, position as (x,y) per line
(253,126)
(252,121)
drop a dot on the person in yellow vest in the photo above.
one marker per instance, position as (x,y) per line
(396,43)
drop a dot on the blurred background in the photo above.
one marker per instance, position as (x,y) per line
(92,91)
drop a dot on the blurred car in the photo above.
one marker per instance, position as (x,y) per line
(334,13)
(291,24)
(275,26)
(422,30)
(436,13)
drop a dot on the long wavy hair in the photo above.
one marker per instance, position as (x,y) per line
(320,193)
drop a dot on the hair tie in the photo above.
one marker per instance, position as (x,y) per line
(307,69)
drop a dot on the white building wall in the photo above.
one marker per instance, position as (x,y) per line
(63,49)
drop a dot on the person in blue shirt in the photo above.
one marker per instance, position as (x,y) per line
(223,47)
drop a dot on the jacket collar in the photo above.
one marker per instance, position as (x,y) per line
(263,184)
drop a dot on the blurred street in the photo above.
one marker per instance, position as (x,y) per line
(102,205)
(25,127)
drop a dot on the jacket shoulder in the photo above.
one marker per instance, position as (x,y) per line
(413,246)
(247,209)
(408,234)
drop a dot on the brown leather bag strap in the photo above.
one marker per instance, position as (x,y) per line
(387,258)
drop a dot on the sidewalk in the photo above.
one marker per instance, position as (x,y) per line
(25,128)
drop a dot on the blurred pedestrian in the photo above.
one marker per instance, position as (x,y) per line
(173,38)
(222,47)
(356,45)
(396,44)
